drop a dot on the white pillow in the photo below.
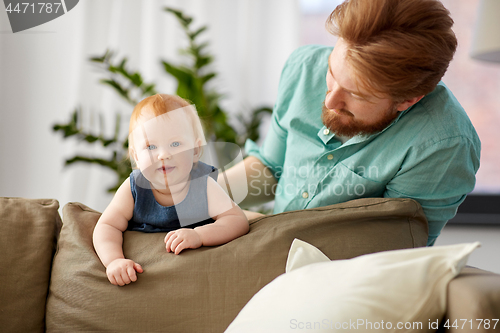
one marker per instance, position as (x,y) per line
(402,290)
(302,254)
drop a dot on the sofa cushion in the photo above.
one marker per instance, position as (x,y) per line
(203,290)
(390,291)
(29,229)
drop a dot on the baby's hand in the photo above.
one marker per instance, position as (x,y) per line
(122,271)
(181,239)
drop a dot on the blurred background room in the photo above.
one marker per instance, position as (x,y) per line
(45,75)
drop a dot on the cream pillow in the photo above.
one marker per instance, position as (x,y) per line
(401,290)
(302,254)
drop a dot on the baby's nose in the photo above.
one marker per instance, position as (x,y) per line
(164,154)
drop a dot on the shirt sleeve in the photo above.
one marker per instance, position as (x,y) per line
(272,151)
(307,63)
(439,177)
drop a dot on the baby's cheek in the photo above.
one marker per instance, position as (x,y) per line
(145,160)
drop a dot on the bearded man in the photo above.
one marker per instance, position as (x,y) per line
(369,118)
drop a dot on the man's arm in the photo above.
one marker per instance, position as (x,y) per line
(439,178)
(260,181)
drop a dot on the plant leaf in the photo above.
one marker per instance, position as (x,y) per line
(195,34)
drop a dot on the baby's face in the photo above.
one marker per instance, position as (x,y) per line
(165,147)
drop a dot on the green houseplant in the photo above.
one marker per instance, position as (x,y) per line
(191,84)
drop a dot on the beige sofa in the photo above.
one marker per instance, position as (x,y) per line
(52,280)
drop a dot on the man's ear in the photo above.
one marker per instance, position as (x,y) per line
(406,104)
(197,150)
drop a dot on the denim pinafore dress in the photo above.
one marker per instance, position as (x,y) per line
(150,216)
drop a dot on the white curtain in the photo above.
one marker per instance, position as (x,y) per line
(45,74)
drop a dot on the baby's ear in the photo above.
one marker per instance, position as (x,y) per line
(197,150)
(132,155)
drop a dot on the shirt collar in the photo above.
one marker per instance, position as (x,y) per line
(325,135)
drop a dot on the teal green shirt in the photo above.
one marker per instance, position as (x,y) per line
(429,153)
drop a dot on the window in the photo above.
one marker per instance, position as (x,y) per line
(476,85)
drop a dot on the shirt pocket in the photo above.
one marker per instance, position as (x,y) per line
(344,184)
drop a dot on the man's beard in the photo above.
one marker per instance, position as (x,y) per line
(345,125)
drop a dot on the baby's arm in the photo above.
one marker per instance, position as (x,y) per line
(230,223)
(108,237)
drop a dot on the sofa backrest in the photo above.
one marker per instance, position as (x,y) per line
(203,290)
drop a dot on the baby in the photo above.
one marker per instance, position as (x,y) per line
(172,191)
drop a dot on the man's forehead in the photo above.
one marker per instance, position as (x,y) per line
(339,67)
(341,70)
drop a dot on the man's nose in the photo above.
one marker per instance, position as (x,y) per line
(333,99)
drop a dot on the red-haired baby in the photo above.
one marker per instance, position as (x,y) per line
(171,190)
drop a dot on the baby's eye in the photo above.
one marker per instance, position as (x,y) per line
(175,144)
(151,147)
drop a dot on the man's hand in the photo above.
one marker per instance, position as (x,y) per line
(253,175)
(181,239)
(123,271)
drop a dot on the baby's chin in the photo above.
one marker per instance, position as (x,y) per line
(164,182)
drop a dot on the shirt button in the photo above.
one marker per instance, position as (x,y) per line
(330,157)
(326,131)
(305,195)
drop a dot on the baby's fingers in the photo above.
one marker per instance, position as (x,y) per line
(125,276)
(169,241)
(169,236)
(115,278)
(181,246)
(175,243)
(112,279)
(118,281)
(131,274)
(138,268)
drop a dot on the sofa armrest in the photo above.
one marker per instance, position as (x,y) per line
(28,236)
(473,295)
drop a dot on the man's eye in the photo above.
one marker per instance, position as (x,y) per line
(175,144)
(151,147)
(358,97)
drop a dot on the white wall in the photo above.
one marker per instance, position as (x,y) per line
(35,68)
(486,257)
(45,74)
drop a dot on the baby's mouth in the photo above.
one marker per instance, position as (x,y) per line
(165,169)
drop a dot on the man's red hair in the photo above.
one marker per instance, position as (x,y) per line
(400,48)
